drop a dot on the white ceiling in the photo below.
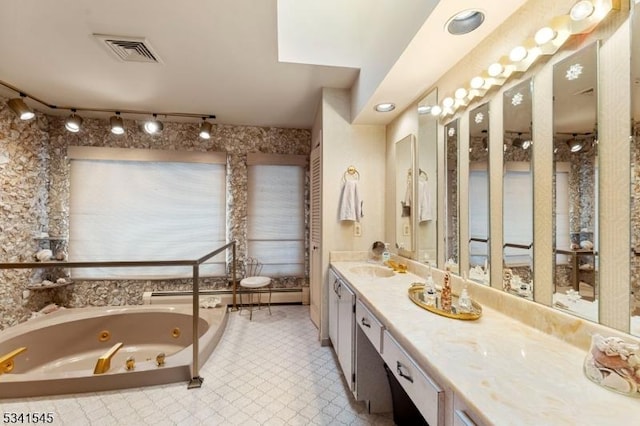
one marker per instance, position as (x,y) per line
(231,58)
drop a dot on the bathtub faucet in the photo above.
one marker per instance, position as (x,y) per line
(104,362)
(7,361)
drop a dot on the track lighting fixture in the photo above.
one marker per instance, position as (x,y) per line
(521,143)
(117,124)
(575,145)
(74,122)
(153,126)
(205,129)
(20,108)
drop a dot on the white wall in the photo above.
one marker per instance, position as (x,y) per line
(344,145)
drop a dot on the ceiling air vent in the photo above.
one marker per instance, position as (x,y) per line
(129,49)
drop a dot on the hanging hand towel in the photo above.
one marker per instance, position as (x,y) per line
(424,206)
(350,203)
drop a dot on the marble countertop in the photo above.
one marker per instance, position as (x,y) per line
(505,371)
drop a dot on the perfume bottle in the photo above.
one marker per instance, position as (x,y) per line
(464,301)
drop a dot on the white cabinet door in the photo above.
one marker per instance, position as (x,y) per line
(334,284)
(346,331)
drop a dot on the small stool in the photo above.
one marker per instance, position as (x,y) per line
(254,283)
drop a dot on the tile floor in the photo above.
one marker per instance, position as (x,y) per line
(270,371)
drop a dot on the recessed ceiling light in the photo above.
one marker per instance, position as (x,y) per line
(424,109)
(581,10)
(544,35)
(464,22)
(385,107)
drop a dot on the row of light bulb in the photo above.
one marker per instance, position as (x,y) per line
(580,11)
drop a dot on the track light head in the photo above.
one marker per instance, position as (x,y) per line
(20,108)
(74,122)
(117,124)
(153,126)
(575,145)
(205,129)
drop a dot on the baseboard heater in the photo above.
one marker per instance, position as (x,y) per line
(278,296)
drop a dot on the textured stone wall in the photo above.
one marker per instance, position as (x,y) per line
(34,171)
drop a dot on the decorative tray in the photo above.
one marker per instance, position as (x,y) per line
(416,294)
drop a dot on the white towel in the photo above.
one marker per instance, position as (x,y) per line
(350,203)
(424,202)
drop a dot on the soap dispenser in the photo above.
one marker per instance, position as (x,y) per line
(385,254)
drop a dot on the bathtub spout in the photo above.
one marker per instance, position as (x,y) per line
(7,361)
(104,362)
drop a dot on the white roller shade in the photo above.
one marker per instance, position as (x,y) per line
(137,210)
(276,218)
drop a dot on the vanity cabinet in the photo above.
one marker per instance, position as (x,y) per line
(342,325)
(425,393)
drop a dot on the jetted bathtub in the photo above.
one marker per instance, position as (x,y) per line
(63,348)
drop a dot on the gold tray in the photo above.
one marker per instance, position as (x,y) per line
(416,294)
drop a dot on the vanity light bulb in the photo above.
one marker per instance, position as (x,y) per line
(436,110)
(544,35)
(448,102)
(477,82)
(495,70)
(518,54)
(461,93)
(581,10)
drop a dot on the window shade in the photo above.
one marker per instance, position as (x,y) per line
(518,216)
(275,218)
(137,210)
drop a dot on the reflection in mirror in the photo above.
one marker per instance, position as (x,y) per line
(451,207)
(635,173)
(427,184)
(404,194)
(517,214)
(575,157)
(479,194)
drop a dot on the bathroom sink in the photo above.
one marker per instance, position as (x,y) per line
(372,271)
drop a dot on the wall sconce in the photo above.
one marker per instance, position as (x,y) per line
(582,18)
(20,108)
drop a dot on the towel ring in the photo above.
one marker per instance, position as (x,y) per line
(351,171)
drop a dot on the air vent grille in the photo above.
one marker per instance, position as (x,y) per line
(129,49)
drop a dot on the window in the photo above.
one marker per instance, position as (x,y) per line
(518,213)
(275,219)
(146,205)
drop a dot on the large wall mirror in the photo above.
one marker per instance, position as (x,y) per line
(479,262)
(575,111)
(517,214)
(405,194)
(452,231)
(427,182)
(635,173)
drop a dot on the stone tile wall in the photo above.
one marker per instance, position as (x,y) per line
(34,197)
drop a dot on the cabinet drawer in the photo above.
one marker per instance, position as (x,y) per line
(460,418)
(370,325)
(427,396)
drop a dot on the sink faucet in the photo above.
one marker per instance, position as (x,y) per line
(104,362)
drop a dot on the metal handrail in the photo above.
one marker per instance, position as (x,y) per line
(196,380)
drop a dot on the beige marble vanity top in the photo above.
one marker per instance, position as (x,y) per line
(507,373)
